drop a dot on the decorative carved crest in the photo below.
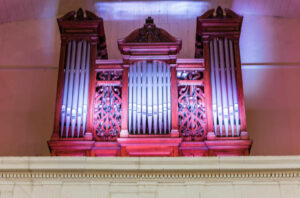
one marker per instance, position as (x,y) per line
(149,33)
(79,16)
(219,13)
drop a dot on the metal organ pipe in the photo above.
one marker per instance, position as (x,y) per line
(155,96)
(229,86)
(86,88)
(76,85)
(149,96)
(70,89)
(213,87)
(152,97)
(134,87)
(139,96)
(75,93)
(234,87)
(130,99)
(168,80)
(218,87)
(224,88)
(144,96)
(81,89)
(65,92)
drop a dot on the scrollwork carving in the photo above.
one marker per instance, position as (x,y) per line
(109,75)
(108,112)
(189,75)
(192,116)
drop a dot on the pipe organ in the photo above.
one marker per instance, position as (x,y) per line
(150,103)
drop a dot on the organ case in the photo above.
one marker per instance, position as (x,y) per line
(150,103)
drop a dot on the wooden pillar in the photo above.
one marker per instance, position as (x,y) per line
(207,87)
(124,112)
(59,93)
(174,103)
(239,82)
(92,89)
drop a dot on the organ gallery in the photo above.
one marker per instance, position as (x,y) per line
(150,102)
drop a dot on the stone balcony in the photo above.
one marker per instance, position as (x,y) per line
(150,177)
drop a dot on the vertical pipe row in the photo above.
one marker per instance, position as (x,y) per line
(224,88)
(75,93)
(149,98)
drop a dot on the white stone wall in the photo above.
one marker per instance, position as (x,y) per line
(229,177)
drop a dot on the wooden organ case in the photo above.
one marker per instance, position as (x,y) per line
(150,103)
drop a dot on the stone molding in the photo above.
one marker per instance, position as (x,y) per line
(151,169)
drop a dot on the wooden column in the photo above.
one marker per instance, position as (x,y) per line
(207,87)
(174,103)
(239,82)
(124,113)
(92,89)
(59,93)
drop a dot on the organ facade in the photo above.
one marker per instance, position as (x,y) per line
(150,103)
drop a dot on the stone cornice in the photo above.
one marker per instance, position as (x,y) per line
(151,169)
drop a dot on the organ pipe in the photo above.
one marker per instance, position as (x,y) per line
(218,86)
(229,85)
(64,102)
(149,96)
(75,93)
(144,98)
(213,87)
(224,88)
(234,87)
(152,97)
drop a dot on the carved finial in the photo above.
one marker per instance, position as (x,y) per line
(219,12)
(80,15)
(149,20)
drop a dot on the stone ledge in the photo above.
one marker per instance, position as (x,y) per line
(151,169)
(258,163)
